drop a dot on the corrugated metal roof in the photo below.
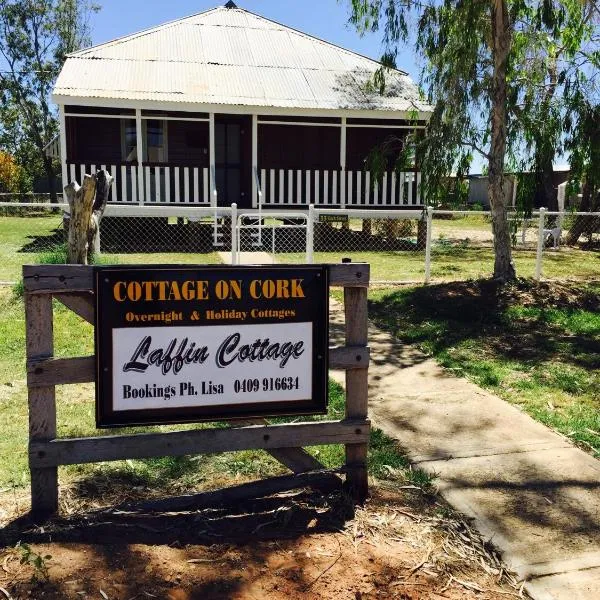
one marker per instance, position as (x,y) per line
(233,57)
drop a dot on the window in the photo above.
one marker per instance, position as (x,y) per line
(155,136)
(156,140)
(128,141)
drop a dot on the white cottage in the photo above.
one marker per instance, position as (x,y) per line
(228,106)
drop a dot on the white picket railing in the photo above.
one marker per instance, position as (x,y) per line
(326,188)
(161,184)
(165,184)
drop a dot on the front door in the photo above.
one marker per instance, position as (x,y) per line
(233,148)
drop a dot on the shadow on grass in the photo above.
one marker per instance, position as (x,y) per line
(43,243)
(441,317)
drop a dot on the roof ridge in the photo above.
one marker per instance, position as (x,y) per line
(132,36)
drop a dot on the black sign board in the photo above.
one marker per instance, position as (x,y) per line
(333,218)
(196,343)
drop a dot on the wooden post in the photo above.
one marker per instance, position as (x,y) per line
(343,156)
(139,141)
(42,402)
(357,390)
(255,161)
(63,147)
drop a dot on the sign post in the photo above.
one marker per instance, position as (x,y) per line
(196,343)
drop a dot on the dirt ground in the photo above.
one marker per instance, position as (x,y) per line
(403,544)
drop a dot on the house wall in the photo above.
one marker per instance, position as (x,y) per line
(298,147)
(299,162)
(94,140)
(360,141)
(478,191)
(188,143)
(313,147)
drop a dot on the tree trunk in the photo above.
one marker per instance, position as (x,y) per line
(546,184)
(504,269)
(86,204)
(103,183)
(583,223)
(51,178)
(544,153)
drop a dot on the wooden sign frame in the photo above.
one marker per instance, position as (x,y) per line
(72,285)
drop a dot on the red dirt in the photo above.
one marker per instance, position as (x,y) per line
(389,550)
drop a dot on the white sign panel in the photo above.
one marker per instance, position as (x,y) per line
(173,367)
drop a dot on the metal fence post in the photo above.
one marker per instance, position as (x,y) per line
(97,242)
(540,244)
(234,235)
(428,245)
(310,234)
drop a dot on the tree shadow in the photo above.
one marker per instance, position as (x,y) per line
(288,515)
(222,549)
(443,316)
(42,243)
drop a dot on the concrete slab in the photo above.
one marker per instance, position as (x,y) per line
(529,491)
(436,415)
(249,258)
(537,507)
(583,585)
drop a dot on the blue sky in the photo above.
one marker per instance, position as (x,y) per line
(327,19)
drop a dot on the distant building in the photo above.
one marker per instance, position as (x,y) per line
(478,187)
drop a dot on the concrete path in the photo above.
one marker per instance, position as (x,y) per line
(530,491)
(248,258)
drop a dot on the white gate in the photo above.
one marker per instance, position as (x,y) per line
(285,236)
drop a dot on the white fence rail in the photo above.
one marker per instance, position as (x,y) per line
(151,184)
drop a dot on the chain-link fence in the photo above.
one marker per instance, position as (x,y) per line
(401,246)
(462,245)
(392,242)
(568,245)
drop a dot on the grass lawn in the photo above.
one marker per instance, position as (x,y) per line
(535,345)
(75,407)
(457,262)
(22,239)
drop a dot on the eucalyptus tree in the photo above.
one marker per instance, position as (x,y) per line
(35,36)
(555,87)
(475,52)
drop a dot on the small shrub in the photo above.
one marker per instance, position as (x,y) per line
(30,557)
(18,289)
(394,228)
(55,256)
